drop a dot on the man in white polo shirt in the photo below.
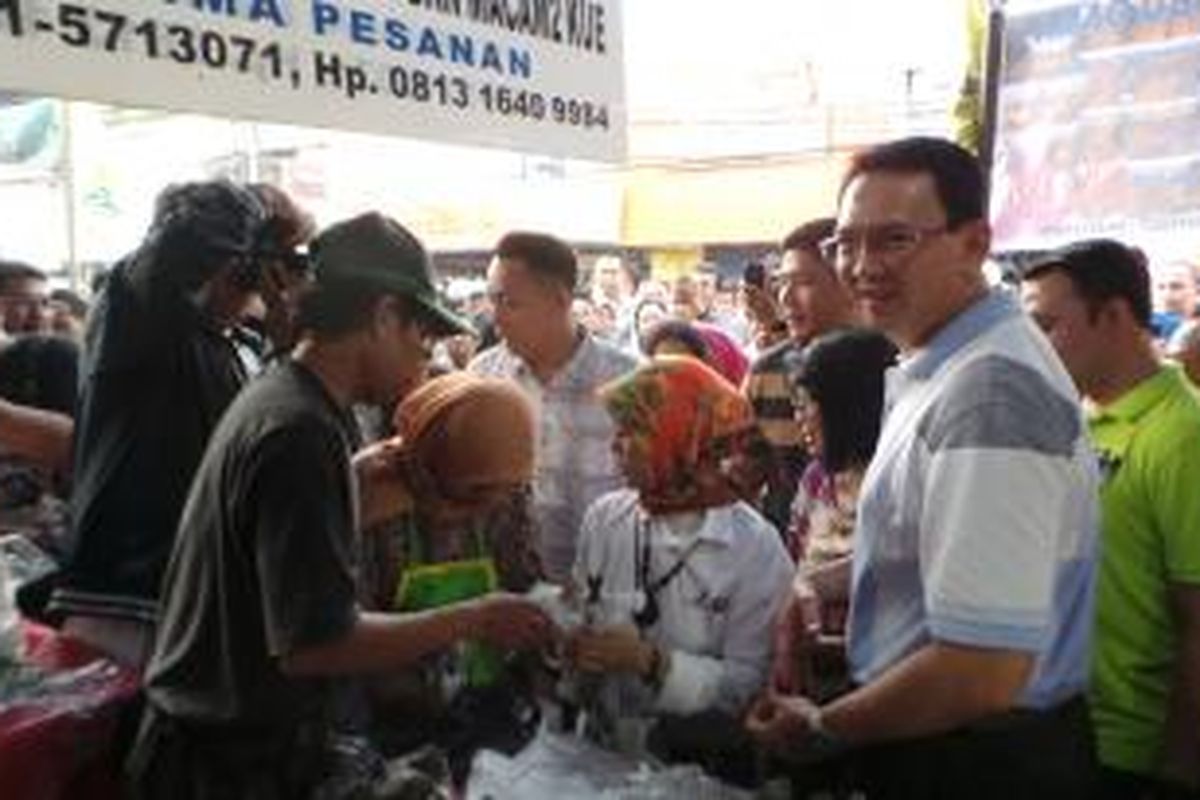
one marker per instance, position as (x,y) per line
(975,550)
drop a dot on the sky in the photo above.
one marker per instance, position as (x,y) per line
(679,51)
(709,79)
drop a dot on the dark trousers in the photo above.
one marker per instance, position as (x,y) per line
(1115,784)
(1020,754)
(174,760)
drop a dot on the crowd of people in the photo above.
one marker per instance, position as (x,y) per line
(862,523)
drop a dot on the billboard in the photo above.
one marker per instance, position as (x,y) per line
(541,76)
(1098,124)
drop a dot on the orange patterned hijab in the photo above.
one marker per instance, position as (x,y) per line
(689,425)
(462,429)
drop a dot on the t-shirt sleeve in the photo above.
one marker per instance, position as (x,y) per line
(1000,517)
(1175,499)
(302,495)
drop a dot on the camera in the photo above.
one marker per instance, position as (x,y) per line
(755,274)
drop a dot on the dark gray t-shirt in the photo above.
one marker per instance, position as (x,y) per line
(264,562)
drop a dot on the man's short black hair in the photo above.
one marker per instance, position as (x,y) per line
(546,256)
(809,235)
(956,173)
(1101,270)
(338,308)
(12,270)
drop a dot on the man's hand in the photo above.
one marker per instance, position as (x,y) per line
(510,622)
(615,648)
(781,722)
(382,492)
(796,630)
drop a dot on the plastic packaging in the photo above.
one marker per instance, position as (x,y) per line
(554,767)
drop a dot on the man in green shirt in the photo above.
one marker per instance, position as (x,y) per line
(1093,301)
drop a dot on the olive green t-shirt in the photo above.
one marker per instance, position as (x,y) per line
(1149,445)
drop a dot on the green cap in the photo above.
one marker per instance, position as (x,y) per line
(376,249)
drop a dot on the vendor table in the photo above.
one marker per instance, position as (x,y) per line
(61,742)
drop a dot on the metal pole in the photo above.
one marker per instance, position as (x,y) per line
(992,64)
(74,268)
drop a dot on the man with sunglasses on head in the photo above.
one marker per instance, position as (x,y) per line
(159,370)
(975,548)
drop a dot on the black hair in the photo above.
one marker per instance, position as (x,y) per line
(11,270)
(1101,270)
(808,236)
(76,306)
(843,373)
(41,371)
(956,173)
(546,256)
(334,309)
(682,332)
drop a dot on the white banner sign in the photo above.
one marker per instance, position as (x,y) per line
(543,76)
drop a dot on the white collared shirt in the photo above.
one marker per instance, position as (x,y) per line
(575,464)
(715,616)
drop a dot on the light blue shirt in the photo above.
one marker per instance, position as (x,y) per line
(978,517)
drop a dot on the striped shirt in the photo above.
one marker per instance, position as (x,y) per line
(575,463)
(769,391)
(978,517)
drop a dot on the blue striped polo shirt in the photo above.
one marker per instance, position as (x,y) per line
(978,516)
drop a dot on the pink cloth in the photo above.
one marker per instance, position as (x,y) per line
(724,354)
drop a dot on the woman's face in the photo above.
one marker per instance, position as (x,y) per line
(465,500)
(808,417)
(648,316)
(632,458)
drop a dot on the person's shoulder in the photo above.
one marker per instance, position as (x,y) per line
(609,360)
(750,518)
(1175,419)
(497,360)
(775,358)
(281,403)
(610,508)
(995,400)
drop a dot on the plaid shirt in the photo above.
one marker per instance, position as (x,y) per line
(575,464)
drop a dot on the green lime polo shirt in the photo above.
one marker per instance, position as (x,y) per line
(1149,444)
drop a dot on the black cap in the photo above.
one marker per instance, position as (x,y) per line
(377,249)
(218,215)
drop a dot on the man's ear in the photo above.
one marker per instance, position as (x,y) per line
(384,315)
(978,239)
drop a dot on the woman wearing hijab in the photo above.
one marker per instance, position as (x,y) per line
(465,451)
(679,579)
(711,345)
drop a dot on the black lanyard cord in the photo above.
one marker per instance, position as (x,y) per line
(647,615)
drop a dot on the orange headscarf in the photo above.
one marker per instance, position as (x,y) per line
(689,423)
(463,429)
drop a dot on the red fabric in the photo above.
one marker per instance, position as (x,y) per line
(63,745)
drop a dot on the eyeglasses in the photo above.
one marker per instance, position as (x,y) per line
(895,241)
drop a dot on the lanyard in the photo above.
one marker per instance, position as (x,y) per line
(648,614)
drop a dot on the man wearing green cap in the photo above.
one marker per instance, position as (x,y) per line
(259,620)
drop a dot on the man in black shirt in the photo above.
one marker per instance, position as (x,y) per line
(159,371)
(259,618)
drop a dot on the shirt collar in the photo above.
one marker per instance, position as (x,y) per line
(969,324)
(715,529)
(1141,399)
(571,371)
